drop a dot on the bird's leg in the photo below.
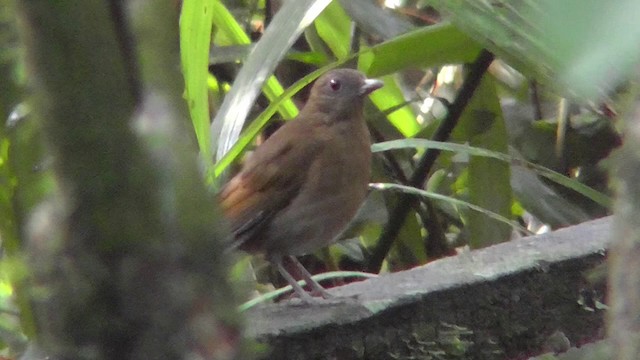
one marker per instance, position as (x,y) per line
(318,290)
(277,261)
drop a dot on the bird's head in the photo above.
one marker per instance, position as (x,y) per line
(340,93)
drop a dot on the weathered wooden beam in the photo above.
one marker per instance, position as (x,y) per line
(502,302)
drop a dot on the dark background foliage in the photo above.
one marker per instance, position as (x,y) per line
(497,120)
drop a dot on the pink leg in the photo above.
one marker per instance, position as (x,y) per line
(277,261)
(318,290)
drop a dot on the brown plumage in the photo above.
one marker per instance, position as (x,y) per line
(302,186)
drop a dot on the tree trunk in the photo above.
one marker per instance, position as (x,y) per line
(624,272)
(126,261)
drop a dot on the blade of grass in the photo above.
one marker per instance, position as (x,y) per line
(556,177)
(195,40)
(284,29)
(451,200)
(256,126)
(320,277)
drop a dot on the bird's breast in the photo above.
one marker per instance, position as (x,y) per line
(335,187)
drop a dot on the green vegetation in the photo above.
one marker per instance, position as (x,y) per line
(99,173)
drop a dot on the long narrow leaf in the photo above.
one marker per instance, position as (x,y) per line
(195,40)
(319,277)
(285,28)
(488,180)
(451,200)
(256,126)
(556,177)
(424,47)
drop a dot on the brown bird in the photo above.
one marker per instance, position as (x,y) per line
(300,188)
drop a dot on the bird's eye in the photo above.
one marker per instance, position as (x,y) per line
(335,84)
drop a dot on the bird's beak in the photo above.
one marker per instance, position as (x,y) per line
(369,86)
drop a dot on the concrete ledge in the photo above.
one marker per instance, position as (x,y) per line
(502,302)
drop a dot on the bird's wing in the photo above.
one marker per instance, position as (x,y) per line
(270,179)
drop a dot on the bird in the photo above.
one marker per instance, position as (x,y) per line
(299,189)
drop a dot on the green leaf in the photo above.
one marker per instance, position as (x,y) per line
(450,200)
(558,178)
(334,28)
(580,48)
(228,31)
(389,96)
(608,50)
(259,122)
(284,29)
(195,40)
(375,20)
(482,125)
(319,277)
(425,47)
